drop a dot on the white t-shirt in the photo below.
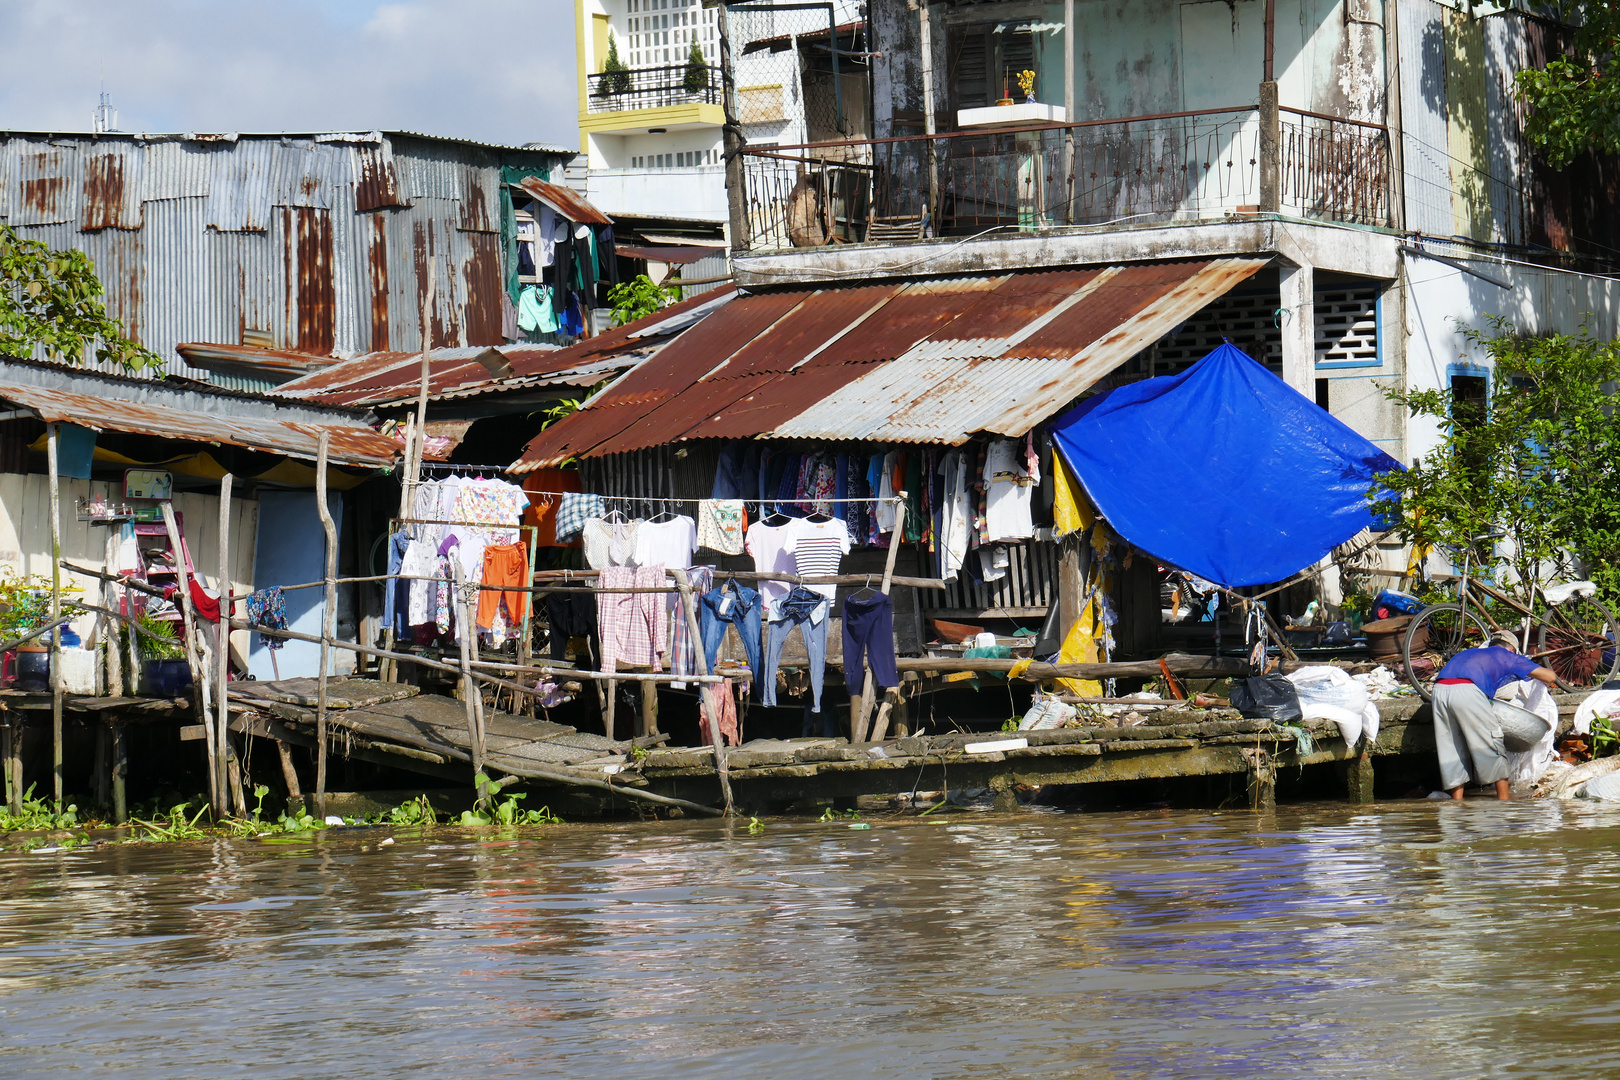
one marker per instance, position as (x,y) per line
(609,543)
(1009,490)
(666,543)
(766,543)
(817,548)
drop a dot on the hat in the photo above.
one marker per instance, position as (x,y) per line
(1504,639)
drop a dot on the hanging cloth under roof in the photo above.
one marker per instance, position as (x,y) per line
(1224,470)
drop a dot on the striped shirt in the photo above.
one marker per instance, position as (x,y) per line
(818,548)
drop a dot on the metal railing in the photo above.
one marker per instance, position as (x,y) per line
(1168,167)
(653,87)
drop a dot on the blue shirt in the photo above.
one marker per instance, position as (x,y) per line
(1489,668)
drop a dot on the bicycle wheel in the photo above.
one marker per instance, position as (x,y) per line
(1577,640)
(1437,633)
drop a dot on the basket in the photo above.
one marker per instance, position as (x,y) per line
(1521,729)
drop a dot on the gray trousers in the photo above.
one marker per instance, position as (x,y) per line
(1466,731)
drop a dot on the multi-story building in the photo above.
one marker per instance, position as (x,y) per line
(651,128)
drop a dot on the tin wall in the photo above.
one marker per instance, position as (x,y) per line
(322,242)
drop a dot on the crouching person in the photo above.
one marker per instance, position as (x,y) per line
(1467,736)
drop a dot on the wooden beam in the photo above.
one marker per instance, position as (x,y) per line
(328,620)
(52,432)
(222,645)
(199,673)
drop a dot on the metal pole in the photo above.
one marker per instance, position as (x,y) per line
(731,137)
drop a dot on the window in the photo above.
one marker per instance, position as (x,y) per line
(1322,393)
(1468,399)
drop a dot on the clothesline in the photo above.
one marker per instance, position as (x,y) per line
(796,499)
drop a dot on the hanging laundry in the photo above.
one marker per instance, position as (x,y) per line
(668,543)
(535,310)
(419,564)
(869,635)
(728,473)
(570,615)
(1010,489)
(817,548)
(542,486)
(546,233)
(633,626)
(610,543)
(506,567)
(886,514)
(721,524)
(607,262)
(731,605)
(767,544)
(396,591)
(808,611)
(718,717)
(268,608)
(509,318)
(573,510)
(955,511)
(683,647)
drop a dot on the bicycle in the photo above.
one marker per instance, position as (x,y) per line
(1568,630)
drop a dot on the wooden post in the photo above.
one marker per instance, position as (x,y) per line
(14,759)
(858,717)
(110,626)
(731,137)
(51,433)
(722,770)
(649,708)
(1358,778)
(1069,44)
(610,708)
(289,773)
(328,621)
(5,762)
(120,769)
(233,778)
(223,638)
(100,772)
(1262,777)
(199,673)
(466,627)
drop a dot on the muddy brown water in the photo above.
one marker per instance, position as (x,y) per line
(1411,940)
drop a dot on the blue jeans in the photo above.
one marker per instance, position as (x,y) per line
(795,610)
(743,614)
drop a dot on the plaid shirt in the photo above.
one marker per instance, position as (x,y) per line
(634,627)
(573,510)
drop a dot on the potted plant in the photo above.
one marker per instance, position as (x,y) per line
(697,71)
(25,604)
(164,670)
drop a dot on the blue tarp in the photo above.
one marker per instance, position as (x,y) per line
(1224,470)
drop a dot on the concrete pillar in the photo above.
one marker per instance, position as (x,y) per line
(1358,777)
(1298,320)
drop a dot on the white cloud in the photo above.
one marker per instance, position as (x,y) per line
(493,70)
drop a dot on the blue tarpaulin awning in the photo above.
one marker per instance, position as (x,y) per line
(1224,470)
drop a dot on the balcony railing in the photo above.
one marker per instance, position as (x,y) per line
(1171,167)
(652,88)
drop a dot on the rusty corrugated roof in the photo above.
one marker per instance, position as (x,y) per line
(382,379)
(935,360)
(190,413)
(570,204)
(248,361)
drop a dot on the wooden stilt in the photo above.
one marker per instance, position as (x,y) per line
(199,673)
(51,433)
(649,709)
(120,769)
(222,647)
(328,621)
(1262,780)
(466,627)
(706,691)
(100,774)
(5,762)
(109,626)
(1358,778)
(868,697)
(14,761)
(610,708)
(233,778)
(289,773)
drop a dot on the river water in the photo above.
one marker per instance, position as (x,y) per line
(1411,940)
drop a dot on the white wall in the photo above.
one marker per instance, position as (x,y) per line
(698,193)
(1442,299)
(25,533)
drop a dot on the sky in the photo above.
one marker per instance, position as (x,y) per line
(498,71)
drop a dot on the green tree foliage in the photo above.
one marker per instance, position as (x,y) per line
(52,299)
(697,70)
(618,75)
(1539,458)
(638,297)
(1575,100)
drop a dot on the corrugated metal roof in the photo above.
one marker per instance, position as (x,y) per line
(935,360)
(190,413)
(381,379)
(570,204)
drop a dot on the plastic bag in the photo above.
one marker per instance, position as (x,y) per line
(1047,712)
(1267,697)
(1330,693)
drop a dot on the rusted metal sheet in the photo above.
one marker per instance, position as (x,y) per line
(893,365)
(307,234)
(477,190)
(42,189)
(376,178)
(249,362)
(484,291)
(142,407)
(377,278)
(111,196)
(569,204)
